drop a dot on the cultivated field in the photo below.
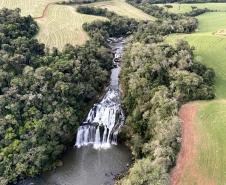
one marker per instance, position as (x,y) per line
(183,8)
(34,8)
(122,8)
(62,25)
(207,163)
(211,148)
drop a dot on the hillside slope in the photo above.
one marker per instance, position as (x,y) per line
(209,158)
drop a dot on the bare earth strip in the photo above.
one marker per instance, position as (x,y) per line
(187,114)
(187,171)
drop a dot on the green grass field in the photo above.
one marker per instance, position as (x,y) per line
(183,8)
(122,8)
(210,49)
(211,148)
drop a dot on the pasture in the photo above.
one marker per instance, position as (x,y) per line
(183,8)
(124,9)
(211,156)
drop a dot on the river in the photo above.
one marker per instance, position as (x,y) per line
(97,158)
(86,166)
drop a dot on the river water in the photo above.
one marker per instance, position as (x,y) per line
(86,166)
(96,158)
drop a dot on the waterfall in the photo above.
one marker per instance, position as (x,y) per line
(103,122)
(105,119)
(97,143)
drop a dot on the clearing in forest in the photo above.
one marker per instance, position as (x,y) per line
(207,163)
(183,8)
(124,9)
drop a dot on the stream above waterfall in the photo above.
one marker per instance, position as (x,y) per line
(96,158)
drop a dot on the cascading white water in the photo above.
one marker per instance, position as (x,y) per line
(97,143)
(105,119)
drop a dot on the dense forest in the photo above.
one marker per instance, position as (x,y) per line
(165,24)
(117,26)
(45,94)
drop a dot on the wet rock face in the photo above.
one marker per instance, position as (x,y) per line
(105,119)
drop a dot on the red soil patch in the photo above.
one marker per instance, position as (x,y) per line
(186,170)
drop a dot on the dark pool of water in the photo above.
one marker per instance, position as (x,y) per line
(87,166)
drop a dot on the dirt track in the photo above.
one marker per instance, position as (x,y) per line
(187,114)
(44,11)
